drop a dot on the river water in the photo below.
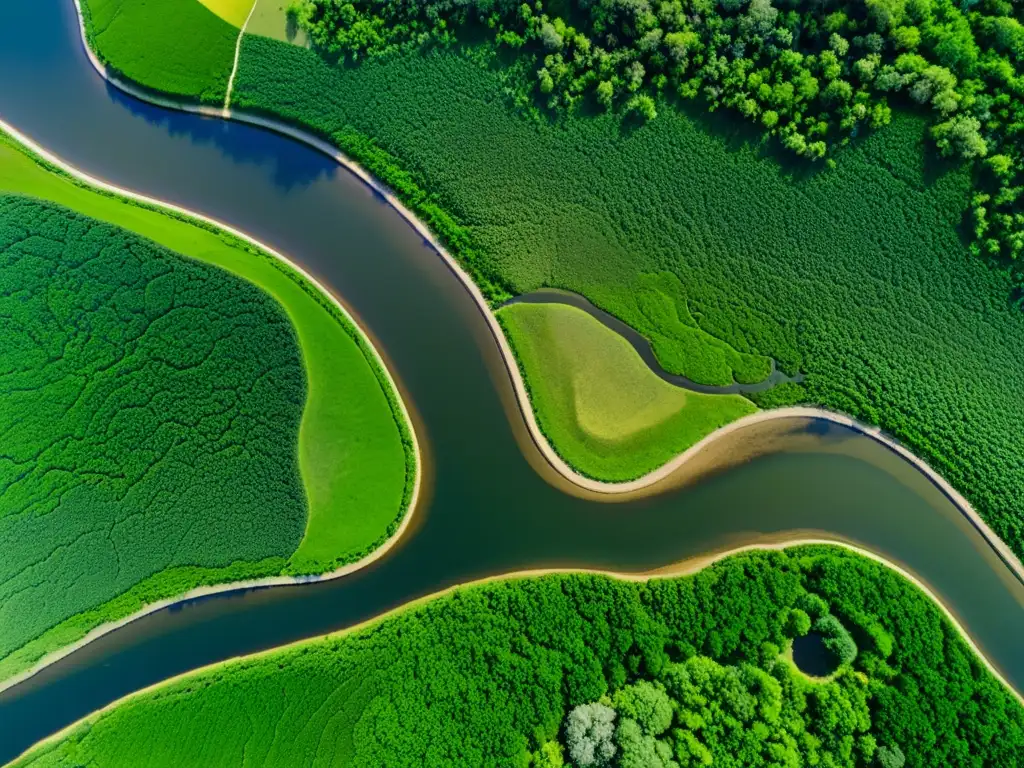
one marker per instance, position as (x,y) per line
(490,505)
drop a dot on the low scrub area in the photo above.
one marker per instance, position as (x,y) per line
(590,671)
(604,411)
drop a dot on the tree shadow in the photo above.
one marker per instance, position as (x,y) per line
(293,164)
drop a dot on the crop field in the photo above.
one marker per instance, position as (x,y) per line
(270,19)
(857,275)
(234,12)
(415,688)
(177,47)
(604,411)
(296,498)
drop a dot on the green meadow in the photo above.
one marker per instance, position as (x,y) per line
(603,410)
(182,49)
(153,447)
(543,672)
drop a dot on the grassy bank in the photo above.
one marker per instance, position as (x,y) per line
(603,410)
(702,655)
(342,469)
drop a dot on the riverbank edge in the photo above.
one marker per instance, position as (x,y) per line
(684,568)
(377,361)
(512,364)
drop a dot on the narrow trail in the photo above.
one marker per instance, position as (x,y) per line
(238,52)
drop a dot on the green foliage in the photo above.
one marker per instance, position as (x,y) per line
(890,757)
(354,505)
(798,623)
(150,409)
(167,46)
(811,75)
(647,705)
(488,676)
(836,639)
(833,274)
(599,404)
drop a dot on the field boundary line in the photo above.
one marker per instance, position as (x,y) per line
(238,52)
(610,490)
(245,584)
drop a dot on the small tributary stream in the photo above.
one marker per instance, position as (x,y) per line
(489,506)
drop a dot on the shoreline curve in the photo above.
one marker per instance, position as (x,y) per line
(511,364)
(246,584)
(682,568)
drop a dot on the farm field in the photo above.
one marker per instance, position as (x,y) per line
(603,410)
(679,671)
(221,459)
(183,49)
(234,12)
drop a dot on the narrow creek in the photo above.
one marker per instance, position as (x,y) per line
(490,505)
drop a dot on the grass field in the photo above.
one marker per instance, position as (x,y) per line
(180,48)
(350,468)
(604,411)
(486,676)
(270,19)
(234,12)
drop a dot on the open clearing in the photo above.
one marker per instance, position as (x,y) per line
(605,412)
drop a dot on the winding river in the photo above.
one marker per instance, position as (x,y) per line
(490,504)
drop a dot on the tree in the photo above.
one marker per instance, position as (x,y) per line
(640,750)
(836,639)
(960,137)
(643,105)
(798,623)
(890,757)
(589,732)
(647,704)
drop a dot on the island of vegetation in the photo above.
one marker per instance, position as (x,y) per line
(601,408)
(831,185)
(171,422)
(592,671)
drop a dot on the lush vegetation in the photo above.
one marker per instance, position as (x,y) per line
(232,11)
(858,275)
(180,48)
(355,453)
(151,407)
(590,670)
(811,74)
(603,410)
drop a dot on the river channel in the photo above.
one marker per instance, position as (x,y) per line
(490,505)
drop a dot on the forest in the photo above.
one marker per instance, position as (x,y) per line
(150,412)
(587,670)
(812,75)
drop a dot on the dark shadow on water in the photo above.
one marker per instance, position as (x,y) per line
(812,657)
(242,143)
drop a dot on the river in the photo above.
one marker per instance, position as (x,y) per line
(490,505)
